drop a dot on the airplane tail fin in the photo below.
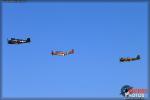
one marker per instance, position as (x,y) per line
(138,57)
(8,41)
(71,51)
(28,40)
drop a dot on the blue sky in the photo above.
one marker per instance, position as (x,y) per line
(100,33)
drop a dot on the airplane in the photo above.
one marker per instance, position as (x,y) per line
(62,53)
(18,41)
(129,59)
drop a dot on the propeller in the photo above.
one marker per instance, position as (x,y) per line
(52,52)
(7,40)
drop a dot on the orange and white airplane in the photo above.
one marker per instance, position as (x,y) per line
(62,53)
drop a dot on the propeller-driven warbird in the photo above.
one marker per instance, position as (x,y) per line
(18,41)
(129,59)
(62,53)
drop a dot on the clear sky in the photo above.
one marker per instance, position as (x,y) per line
(100,33)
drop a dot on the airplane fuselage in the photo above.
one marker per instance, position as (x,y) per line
(62,53)
(59,53)
(128,59)
(17,41)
